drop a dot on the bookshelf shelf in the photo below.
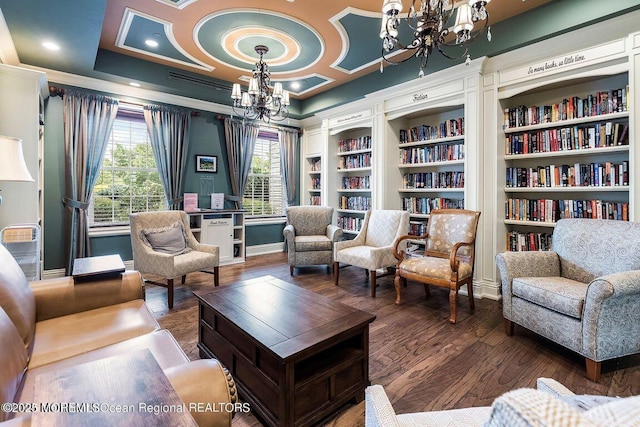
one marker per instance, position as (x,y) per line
(570,153)
(569,122)
(431,141)
(346,170)
(431,190)
(530,223)
(430,164)
(354,190)
(603,189)
(351,153)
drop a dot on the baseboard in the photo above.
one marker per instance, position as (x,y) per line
(269,248)
(484,289)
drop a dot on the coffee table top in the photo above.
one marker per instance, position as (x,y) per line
(283,317)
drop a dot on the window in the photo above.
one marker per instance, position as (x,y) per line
(264,194)
(129,180)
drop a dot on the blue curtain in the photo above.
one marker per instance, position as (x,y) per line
(88,120)
(241,140)
(289,147)
(169,133)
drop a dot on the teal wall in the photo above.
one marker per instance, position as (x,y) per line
(207,137)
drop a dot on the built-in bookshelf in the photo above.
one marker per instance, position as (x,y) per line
(314,168)
(566,155)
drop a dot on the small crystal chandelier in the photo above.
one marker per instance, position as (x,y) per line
(260,102)
(429,20)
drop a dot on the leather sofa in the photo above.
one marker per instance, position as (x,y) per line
(55,324)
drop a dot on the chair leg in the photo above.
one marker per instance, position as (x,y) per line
(398,284)
(427,291)
(593,369)
(453,294)
(216,276)
(336,272)
(184,278)
(472,303)
(509,327)
(372,282)
(170,293)
(291,270)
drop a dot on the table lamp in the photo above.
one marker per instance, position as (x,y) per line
(12,165)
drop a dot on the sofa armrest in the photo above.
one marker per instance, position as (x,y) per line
(524,264)
(378,409)
(207,248)
(61,296)
(207,389)
(553,387)
(610,318)
(334,232)
(530,408)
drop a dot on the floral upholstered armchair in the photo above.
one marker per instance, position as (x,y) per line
(584,294)
(310,235)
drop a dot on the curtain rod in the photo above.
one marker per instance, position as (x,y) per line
(58,91)
(275,127)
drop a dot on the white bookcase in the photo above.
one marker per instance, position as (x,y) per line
(224,228)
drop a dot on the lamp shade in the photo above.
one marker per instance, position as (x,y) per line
(12,165)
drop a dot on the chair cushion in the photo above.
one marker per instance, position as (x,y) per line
(16,297)
(67,336)
(313,243)
(559,294)
(170,240)
(464,417)
(437,268)
(366,257)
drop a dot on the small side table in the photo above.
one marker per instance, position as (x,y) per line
(97,267)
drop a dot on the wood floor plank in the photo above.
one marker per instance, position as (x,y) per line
(423,361)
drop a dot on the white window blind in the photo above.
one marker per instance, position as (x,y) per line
(264,194)
(129,180)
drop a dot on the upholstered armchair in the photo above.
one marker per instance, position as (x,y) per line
(584,294)
(310,235)
(163,245)
(372,248)
(448,256)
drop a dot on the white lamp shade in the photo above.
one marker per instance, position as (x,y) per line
(236,92)
(285,98)
(246,100)
(277,90)
(253,86)
(12,165)
(463,20)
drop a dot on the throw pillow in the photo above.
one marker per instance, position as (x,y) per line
(170,240)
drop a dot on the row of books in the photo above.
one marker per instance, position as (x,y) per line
(519,242)
(350,223)
(548,210)
(356,182)
(315,183)
(316,165)
(355,161)
(448,128)
(602,102)
(432,153)
(354,144)
(315,201)
(355,203)
(433,180)
(607,134)
(578,175)
(417,228)
(424,205)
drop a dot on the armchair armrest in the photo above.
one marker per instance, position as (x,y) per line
(553,387)
(205,382)
(454,263)
(61,296)
(399,253)
(334,232)
(610,318)
(378,409)
(344,244)
(211,249)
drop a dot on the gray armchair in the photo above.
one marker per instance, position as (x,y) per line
(164,245)
(310,235)
(584,294)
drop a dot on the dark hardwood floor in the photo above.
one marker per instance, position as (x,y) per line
(423,362)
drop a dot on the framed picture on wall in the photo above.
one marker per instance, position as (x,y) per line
(206,163)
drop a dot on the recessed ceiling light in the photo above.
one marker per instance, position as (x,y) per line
(134,84)
(151,43)
(50,45)
(295,85)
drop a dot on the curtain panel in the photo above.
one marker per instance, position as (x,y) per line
(289,149)
(169,131)
(88,120)
(241,140)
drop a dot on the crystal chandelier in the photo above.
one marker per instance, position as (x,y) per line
(260,102)
(428,21)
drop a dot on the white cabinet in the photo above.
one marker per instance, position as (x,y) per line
(223,228)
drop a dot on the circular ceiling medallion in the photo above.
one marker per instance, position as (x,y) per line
(292,45)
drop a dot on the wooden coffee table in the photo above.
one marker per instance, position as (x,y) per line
(296,356)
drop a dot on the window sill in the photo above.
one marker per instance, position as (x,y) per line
(265,221)
(123,230)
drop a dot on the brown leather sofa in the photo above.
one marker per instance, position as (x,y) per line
(54,324)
